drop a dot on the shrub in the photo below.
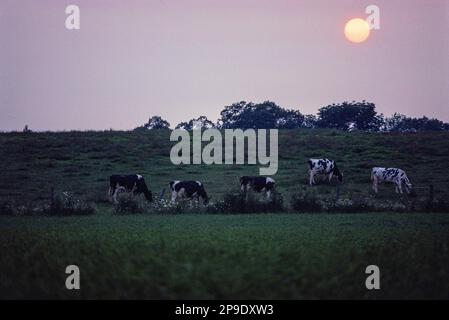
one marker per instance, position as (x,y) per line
(181,206)
(235,201)
(438,206)
(126,204)
(6,208)
(306,201)
(65,204)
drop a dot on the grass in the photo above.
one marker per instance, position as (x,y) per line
(256,256)
(81,162)
(271,256)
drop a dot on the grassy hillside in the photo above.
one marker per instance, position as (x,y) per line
(81,162)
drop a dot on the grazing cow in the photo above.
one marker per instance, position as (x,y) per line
(133,183)
(394,175)
(323,166)
(257,184)
(188,189)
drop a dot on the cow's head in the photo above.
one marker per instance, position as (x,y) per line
(141,187)
(202,193)
(338,174)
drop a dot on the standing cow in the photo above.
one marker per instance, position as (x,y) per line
(133,183)
(257,184)
(323,166)
(394,175)
(188,189)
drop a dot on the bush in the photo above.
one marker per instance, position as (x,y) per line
(437,206)
(7,208)
(235,201)
(306,201)
(180,206)
(65,204)
(128,205)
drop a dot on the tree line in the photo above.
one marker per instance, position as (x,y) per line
(346,116)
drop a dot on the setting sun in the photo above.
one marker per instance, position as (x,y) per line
(357,30)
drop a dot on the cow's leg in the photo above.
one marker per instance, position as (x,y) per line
(110,192)
(174,195)
(268,193)
(133,190)
(114,197)
(246,193)
(399,186)
(311,180)
(375,189)
(330,176)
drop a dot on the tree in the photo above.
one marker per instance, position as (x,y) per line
(154,123)
(289,119)
(310,121)
(201,121)
(350,115)
(266,115)
(401,123)
(26,129)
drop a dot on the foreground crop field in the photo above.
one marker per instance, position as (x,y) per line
(225,256)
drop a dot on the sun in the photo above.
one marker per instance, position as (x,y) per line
(357,30)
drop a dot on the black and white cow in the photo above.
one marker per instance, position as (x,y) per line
(257,184)
(133,183)
(323,166)
(188,189)
(394,175)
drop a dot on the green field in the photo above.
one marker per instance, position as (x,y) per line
(291,256)
(226,256)
(81,162)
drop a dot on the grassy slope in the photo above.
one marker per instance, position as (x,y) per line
(82,161)
(225,256)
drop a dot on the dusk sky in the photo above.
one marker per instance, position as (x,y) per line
(182,59)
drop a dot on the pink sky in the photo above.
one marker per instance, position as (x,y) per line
(182,59)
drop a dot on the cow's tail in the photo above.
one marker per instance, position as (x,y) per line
(111,186)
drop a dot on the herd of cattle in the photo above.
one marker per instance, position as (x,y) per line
(135,183)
